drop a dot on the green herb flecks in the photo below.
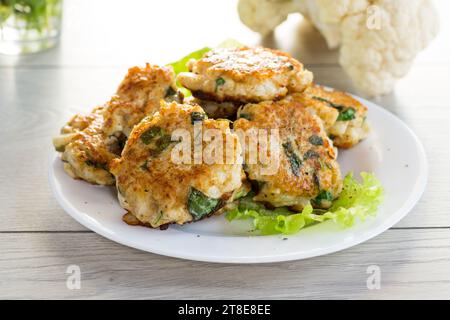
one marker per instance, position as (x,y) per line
(60,148)
(151,133)
(323,196)
(156,139)
(158,218)
(347,115)
(198,116)
(245,116)
(324,164)
(170,92)
(292,157)
(242,192)
(200,205)
(96,165)
(316,140)
(161,144)
(316,179)
(330,103)
(311,154)
(144,166)
(219,82)
(181,65)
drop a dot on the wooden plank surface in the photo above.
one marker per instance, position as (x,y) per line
(38,93)
(415,266)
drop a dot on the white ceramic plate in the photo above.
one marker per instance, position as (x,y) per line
(392,152)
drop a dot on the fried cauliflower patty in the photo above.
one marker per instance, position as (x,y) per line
(307,169)
(89,142)
(85,153)
(159,179)
(344,117)
(245,75)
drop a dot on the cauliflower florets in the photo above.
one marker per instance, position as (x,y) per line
(378,39)
(265,15)
(376,58)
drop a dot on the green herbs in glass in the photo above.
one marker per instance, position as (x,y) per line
(29,25)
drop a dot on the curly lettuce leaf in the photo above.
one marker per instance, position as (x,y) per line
(357,200)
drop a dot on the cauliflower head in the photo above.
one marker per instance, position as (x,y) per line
(378,39)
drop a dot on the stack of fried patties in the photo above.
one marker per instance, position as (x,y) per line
(262,88)
(130,140)
(226,79)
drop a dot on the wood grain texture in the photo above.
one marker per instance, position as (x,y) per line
(38,93)
(412,264)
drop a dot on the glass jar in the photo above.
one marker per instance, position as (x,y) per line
(28,26)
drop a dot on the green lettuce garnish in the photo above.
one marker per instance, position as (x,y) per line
(357,200)
(180,66)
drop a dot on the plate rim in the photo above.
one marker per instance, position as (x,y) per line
(407,206)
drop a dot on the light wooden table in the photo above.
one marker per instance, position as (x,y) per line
(101,39)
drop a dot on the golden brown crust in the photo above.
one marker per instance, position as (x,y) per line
(154,187)
(245,75)
(338,98)
(243,62)
(327,114)
(79,122)
(317,168)
(146,86)
(89,142)
(86,156)
(328,105)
